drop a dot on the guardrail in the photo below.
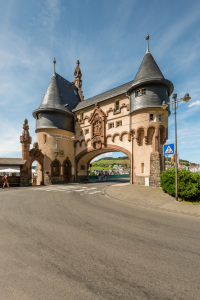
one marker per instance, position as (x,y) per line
(92,177)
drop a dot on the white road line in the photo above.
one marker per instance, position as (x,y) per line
(95,192)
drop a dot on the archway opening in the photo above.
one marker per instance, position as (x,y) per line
(84,159)
(113,163)
(36,173)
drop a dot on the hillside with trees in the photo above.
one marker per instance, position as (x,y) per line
(108,163)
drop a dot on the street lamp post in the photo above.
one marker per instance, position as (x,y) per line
(174,104)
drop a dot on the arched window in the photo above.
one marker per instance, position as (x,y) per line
(55,168)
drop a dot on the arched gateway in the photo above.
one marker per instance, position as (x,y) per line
(71,131)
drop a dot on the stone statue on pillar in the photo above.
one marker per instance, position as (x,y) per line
(25,171)
(25,139)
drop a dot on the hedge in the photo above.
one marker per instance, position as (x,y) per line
(188,184)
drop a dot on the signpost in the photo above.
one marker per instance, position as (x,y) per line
(168,149)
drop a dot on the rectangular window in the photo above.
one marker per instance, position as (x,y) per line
(151,117)
(117,105)
(143,91)
(45,138)
(119,123)
(81,117)
(159,118)
(111,125)
(137,93)
(142,168)
(86,131)
(81,132)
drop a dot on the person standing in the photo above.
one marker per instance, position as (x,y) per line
(5,179)
(102,174)
(107,175)
(99,175)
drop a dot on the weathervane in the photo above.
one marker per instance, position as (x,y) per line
(54,61)
(147,38)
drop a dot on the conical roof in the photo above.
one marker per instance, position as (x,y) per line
(148,69)
(59,93)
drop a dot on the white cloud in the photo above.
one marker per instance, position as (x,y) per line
(195,103)
(108,154)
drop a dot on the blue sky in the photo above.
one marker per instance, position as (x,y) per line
(108,37)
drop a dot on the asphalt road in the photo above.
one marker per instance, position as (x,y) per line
(72,242)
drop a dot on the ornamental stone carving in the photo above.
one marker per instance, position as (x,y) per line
(25,137)
(97,121)
(35,152)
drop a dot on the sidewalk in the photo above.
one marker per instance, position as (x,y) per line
(150,197)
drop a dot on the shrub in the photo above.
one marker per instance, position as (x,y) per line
(188,184)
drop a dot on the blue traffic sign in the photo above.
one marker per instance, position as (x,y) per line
(168,149)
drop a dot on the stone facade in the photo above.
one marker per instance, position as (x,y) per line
(24,179)
(82,178)
(155,169)
(140,180)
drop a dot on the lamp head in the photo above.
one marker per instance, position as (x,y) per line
(186,98)
(174,96)
(56,153)
(164,105)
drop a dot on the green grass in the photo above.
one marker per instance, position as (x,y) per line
(103,163)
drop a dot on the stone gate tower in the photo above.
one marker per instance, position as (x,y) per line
(72,131)
(55,127)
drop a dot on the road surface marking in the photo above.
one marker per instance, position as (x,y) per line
(95,192)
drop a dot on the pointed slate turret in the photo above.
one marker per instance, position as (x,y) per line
(52,98)
(149,88)
(148,69)
(55,110)
(59,93)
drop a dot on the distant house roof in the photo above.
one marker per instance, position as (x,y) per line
(59,93)
(12,162)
